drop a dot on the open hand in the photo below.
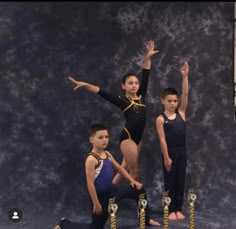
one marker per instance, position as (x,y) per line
(185,69)
(150,48)
(97,209)
(76,82)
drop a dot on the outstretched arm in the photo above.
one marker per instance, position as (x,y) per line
(184,97)
(149,54)
(89,87)
(115,99)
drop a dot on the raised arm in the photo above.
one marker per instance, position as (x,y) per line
(89,87)
(184,97)
(163,145)
(146,68)
(149,54)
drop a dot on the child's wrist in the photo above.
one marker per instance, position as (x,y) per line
(166,157)
(132,181)
(96,203)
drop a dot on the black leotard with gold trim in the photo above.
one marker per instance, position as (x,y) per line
(134,110)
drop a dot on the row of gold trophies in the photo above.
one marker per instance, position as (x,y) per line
(112,209)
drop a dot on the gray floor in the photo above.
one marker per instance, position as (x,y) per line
(206,219)
(213,218)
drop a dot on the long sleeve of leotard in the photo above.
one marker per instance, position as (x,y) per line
(144,83)
(114,99)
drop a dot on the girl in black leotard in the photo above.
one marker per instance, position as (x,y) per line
(133,107)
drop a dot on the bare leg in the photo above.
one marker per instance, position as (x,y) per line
(130,153)
(118,178)
(139,147)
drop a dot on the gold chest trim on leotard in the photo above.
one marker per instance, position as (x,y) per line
(127,132)
(132,102)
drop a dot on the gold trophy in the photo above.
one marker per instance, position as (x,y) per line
(112,209)
(191,200)
(166,202)
(142,203)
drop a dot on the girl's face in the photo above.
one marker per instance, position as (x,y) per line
(131,85)
(170,102)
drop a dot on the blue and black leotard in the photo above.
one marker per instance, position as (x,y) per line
(134,110)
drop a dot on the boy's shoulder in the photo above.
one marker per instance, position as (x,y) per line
(159,116)
(91,155)
(94,156)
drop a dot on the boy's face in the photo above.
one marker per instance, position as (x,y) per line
(131,85)
(100,139)
(170,102)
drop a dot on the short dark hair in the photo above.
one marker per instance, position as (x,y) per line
(169,91)
(96,127)
(126,76)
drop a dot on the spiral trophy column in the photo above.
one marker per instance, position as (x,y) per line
(191,200)
(142,203)
(112,209)
(166,202)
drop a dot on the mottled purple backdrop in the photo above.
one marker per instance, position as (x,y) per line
(44,122)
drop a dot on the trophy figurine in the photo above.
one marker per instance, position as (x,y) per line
(112,209)
(166,202)
(142,203)
(191,200)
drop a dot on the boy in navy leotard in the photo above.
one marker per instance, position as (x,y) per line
(99,165)
(170,127)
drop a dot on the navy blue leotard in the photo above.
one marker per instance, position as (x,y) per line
(134,110)
(174,180)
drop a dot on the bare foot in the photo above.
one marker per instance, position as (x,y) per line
(154,223)
(180,215)
(57,227)
(172,216)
